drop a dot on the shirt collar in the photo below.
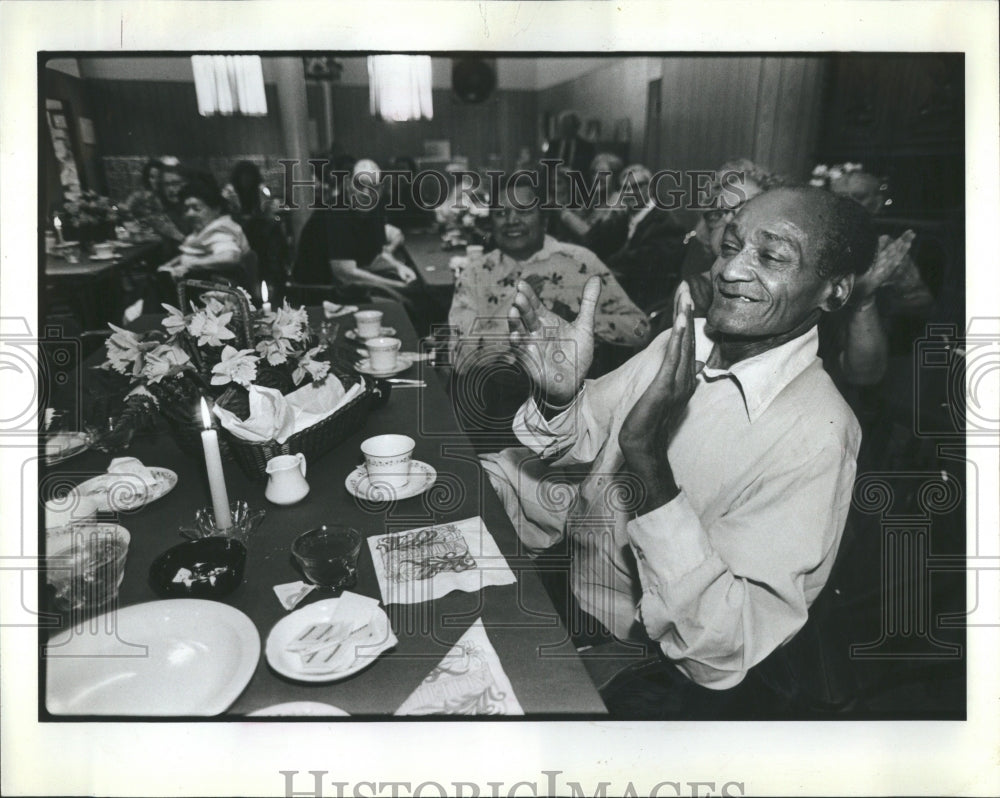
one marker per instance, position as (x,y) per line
(549,247)
(762,377)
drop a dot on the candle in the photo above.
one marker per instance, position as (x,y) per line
(216,477)
(57,224)
(263,297)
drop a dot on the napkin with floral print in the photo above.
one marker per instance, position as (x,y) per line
(468,681)
(426,564)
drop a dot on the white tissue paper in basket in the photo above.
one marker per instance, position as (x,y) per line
(274,417)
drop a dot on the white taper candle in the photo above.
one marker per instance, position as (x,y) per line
(216,476)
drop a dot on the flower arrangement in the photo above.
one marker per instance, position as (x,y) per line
(204,353)
(91,209)
(199,344)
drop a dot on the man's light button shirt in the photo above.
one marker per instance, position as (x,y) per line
(765,459)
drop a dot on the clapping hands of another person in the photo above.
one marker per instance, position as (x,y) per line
(649,426)
(891,255)
(555,353)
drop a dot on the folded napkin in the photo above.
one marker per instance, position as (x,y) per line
(274,417)
(270,417)
(332,309)
(292,593)
(127,485)
(426,564)
(357,628)
(313,402)
(468,681)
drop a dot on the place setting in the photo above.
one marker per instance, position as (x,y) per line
(335,637)
(389,471)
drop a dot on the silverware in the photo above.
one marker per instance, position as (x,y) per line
(408,383)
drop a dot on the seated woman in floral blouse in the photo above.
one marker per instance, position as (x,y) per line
(217,246)
(489,385)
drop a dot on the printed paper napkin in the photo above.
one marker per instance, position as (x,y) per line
(426,564)
(468,681)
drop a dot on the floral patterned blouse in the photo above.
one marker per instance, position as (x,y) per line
(485,291)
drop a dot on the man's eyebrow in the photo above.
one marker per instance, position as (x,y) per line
(779,238)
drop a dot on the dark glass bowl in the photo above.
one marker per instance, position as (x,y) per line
(206,568)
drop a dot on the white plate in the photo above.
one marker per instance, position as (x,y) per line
(379,639)
(164,658)
(303,709)
(403,362)
(353,334)
(113,494)
(63,445)
(422,476)
(110,256)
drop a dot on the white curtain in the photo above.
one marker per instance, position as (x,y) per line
(229,84)
(400,87)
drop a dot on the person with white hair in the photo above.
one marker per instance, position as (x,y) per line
(640,241)
(352,232)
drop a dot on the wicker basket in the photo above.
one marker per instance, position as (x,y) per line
(313,441)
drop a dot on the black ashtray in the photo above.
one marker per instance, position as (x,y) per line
(204,568)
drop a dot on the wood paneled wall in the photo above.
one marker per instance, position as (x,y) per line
(161,118)
(615,90)
(713,108)
(488,133)
(765,108)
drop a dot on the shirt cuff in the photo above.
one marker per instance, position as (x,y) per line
(542,435)
(669,542)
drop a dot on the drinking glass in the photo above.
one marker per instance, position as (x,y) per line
(328,555)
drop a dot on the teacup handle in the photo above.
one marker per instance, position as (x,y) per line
(302,462)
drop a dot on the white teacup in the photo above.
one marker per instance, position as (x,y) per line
(383,352)
(387,458)
(369,323)
(105,250)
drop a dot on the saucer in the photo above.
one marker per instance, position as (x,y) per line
(375,638)
(385,331)
(110,256)
(116,493)
(422,476)
(403,361)
(62,445)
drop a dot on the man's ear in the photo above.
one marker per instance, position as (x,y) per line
(840,292)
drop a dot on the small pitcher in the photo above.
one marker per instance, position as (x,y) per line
(286,479)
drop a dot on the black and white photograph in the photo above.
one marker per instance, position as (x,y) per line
(413,413)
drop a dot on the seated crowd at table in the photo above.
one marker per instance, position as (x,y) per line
(691,385)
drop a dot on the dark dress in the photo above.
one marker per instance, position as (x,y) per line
(648,265)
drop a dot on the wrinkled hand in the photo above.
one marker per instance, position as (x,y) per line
(683,303)
(555,353)
(650,424)
(889,258)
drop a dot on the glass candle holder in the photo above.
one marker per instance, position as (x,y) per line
(245,523)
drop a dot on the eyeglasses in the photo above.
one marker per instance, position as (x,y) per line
(716,216)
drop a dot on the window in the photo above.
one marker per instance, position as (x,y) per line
(400,87)
(229,84)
